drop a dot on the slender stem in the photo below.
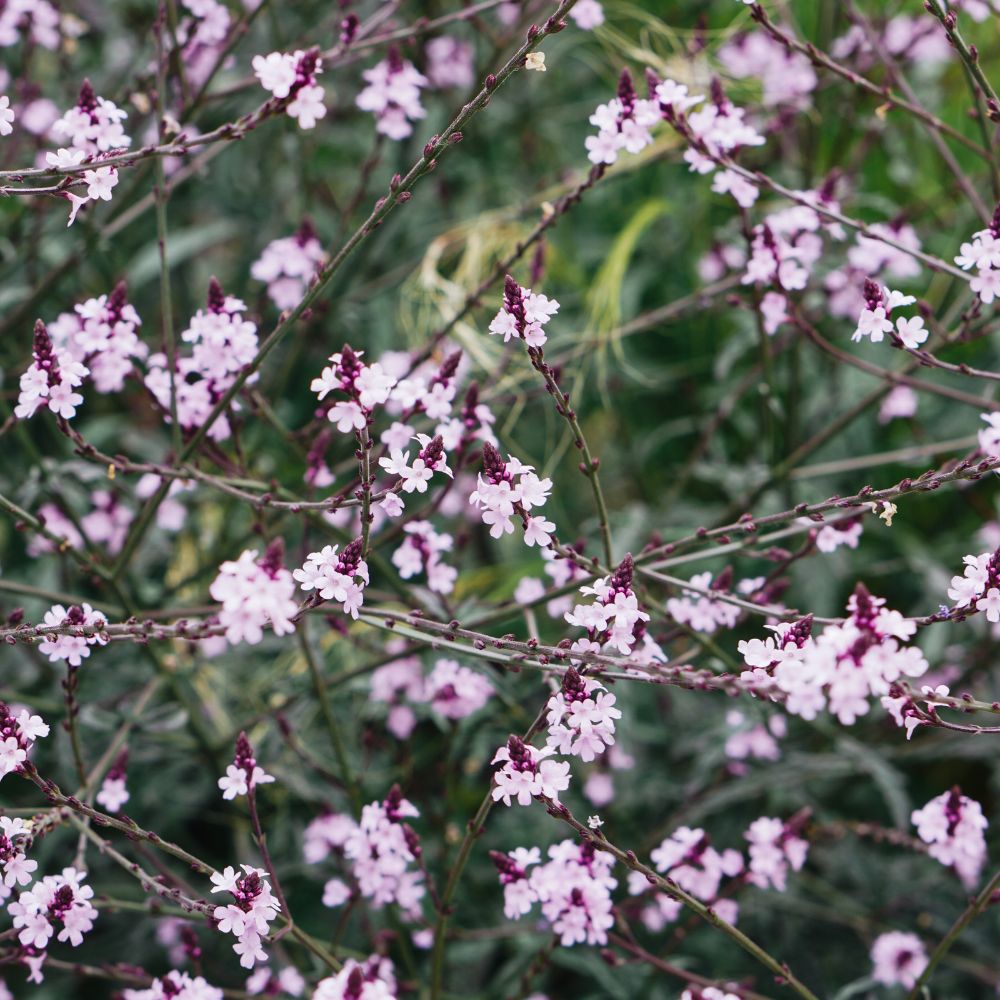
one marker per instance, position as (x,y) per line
(365,473)
(883,93)
(347,775)
(473,830)
(589,465)
(967,54)
(261,840)
(896,73)
(398,195)
(684,974)
(674,891)
(975,907)
(895,378)
(161,194)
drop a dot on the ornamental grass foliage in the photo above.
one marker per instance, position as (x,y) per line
(499,499)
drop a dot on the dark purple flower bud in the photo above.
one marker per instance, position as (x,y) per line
(873,294)
(626,93)
(216,296)
(349,29)
(274,558)
(493,465)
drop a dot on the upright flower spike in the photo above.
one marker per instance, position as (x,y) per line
(499,498)
(249,916)
(58,905)
(113,793)
(222,343)
(392,94)
(254,593)
(291,79)
(243,775)
(623,124)
(15,840)
(523,315)
(50,380)
(373,979)
(898,958)
(73,647)
(17,737)
(581,717)
(93,125)
(573,889)
(614,619)
(953,825)
(527,773)
(983,254)
(341,578)
(288,265)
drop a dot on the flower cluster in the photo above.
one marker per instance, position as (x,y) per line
(953,825)
(249,917)
(50,380)
(840,668)
(774,848)
(107,523)
(93,125)
(421,553)
(415,476)
(373,979)
(846,531)
(451,690)
(223,343)
(74,649)
(623,123)
(699,609)
(341,578)
(243,775)
(54,900)
(523,315)
(202,37)
(102,334)
(614,619)
(450,63)
(979,586)
(254,593)
(15,837)
(758,741)
(688,858)
(454,691)
(527,772)
(31,21)
(113,794)
(498,497)
(716,130)
(176,986)
(291,78)
(392,94)
(875,322)
(380,847)
(787,76)
(983,254)
(17,737)
(366,387)
(573,889)
(289,264)
(581,717)
(264,981)
(898,958)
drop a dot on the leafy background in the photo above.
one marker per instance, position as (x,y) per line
(645,400)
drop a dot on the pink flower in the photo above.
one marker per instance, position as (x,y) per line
(898,958)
